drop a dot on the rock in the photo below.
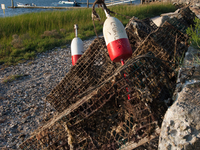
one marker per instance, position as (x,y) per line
(181,125)
(160,20)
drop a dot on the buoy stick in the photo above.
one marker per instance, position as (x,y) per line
(122,62)
(117,41)
(107,15)
(76,30)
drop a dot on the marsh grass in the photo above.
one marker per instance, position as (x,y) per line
(12,78)
(194,33)
(23,36)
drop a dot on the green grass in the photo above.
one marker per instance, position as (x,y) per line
(12,78)
(23,36)
(194,33)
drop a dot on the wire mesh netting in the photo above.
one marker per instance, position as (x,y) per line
(149,22)
(180,24)
(167,43)
(106,118)
(95,65)
(92,68)
(137,30)
(188,15)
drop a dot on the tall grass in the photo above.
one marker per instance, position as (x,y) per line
(194,33)
(23,36)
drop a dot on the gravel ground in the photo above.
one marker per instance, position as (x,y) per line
(22,101)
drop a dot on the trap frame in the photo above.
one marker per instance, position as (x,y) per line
(106,118)
(166,43)
(93,67)
(188,15)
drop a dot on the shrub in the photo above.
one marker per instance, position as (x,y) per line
(25,36)
(11,78)
(53,34)
(194,33)
(63,31)
(29,55)
(17,42)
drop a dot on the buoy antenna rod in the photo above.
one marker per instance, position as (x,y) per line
(76,30)
(107,14)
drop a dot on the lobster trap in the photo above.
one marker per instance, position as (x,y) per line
(106,118)
(180,24)
(188,16)
(149,22)
(166,43)
(93,67)
(103,105)
(137,30)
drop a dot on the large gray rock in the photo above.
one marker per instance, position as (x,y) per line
(159,20)
(181,125)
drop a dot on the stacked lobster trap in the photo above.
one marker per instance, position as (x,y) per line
(91,69)
(180,24)
(166,42)
(95,66)
(187,15)
(103,105)
(137,31)
(106,118)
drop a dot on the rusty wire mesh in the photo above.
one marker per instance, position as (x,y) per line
(95,65)
(92,68)
(149,22)
(167,43)
(137,30)
(180,24)
(106,118)
(188,15)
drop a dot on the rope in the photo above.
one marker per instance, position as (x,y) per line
(95,16)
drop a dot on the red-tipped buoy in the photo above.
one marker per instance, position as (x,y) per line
(116,39)
(76,46)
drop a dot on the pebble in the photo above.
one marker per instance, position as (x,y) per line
(22,101)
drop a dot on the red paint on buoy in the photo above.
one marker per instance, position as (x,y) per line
(75,58)
(119,49)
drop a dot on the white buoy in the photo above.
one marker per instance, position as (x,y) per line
(116,39)
(76,47)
